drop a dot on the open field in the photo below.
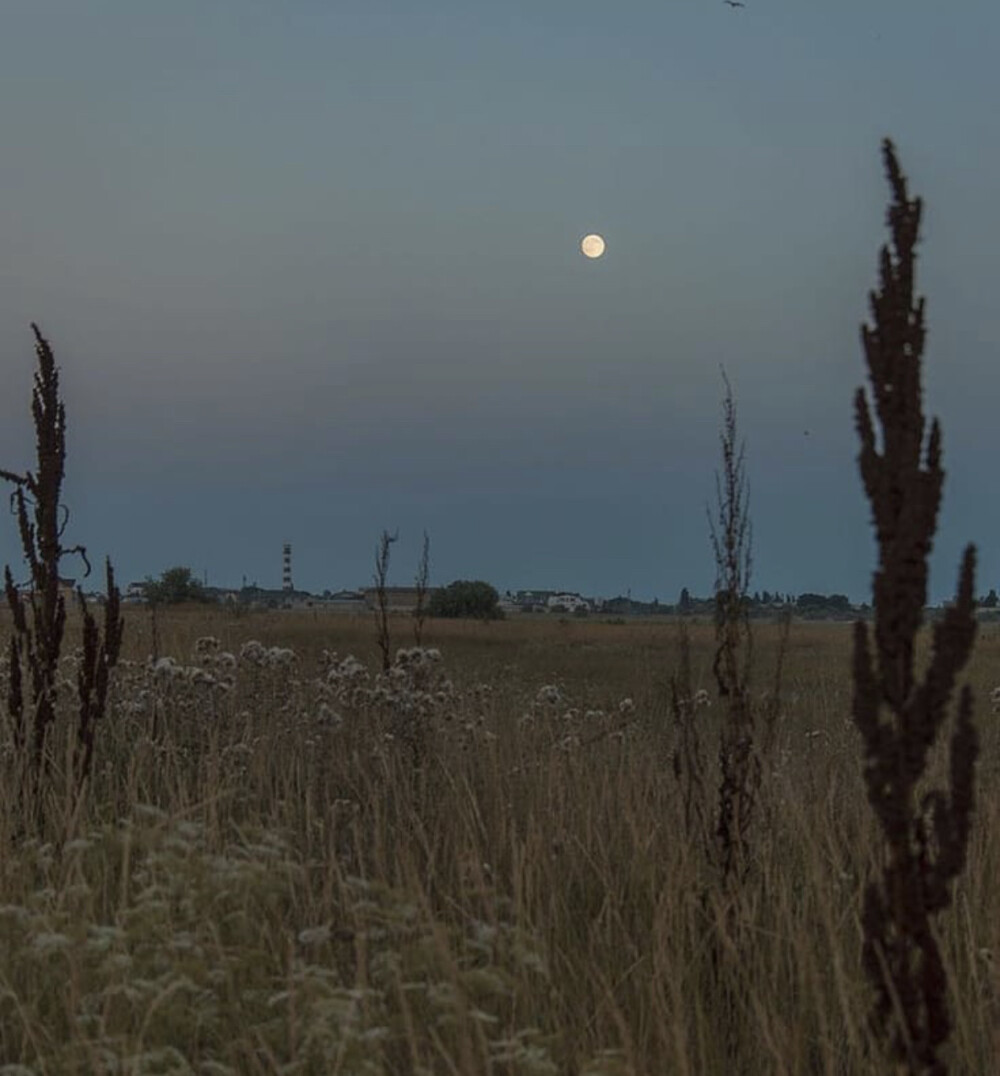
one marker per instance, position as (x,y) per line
(289,865)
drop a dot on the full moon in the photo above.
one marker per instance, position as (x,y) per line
(592,246)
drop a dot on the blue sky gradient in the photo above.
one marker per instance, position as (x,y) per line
(311,270)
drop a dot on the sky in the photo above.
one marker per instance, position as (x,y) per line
(312,270)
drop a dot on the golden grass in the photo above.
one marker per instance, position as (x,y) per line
(254,886)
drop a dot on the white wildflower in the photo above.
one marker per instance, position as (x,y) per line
(252,651)
(280,655)
(50,942)
(104,937)
(207,644)
(117,962)
(164,667)
(315,935)
(326,715)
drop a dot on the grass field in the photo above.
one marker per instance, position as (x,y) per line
(288,864)
(527,846)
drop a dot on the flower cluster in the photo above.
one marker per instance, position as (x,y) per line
(255,653)
(209,953)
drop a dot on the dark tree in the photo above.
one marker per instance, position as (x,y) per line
(466,598)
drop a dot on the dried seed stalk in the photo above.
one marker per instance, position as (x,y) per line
(739,764)
(37,638)
(382,555)
(925,842)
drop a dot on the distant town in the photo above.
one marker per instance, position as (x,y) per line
(761,604)
(560,603)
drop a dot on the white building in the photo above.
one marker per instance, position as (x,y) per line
(569,602)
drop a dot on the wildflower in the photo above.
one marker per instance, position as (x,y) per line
(164,667)
(103,938)
(280,655)
(315,935)
(326,715)
(49,942)
(701,698)
(549,694)
(626,706)
(252,651)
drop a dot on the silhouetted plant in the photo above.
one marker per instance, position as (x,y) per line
(739,765)
(37,638)
(689,759)
(769,709)
(723,829)
(926,841)
(421,581)
(382,556)
(100,655)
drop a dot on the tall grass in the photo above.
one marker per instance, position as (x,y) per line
(304,854)
(262,880)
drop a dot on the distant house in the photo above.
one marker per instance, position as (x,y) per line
(67,589)
(531,601)
(567,603)
(398,599)
(300,599)
(135,592)
(347,601)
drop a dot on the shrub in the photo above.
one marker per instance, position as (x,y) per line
(473,599)
(175,586)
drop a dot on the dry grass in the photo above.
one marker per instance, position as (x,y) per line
(258,887)
(289,860)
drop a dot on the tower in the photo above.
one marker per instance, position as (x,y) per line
(286,566)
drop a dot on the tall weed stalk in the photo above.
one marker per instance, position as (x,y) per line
(39,617)
(382,557)
(739,764)
(925,839)
(421,582)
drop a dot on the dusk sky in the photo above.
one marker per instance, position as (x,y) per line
(312,269)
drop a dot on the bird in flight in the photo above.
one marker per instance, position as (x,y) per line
(734,3)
